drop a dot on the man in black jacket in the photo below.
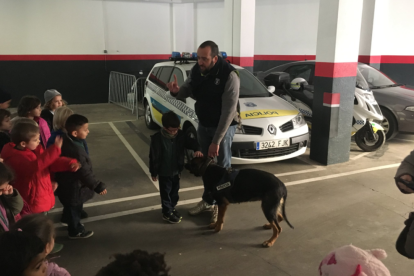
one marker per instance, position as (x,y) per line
(167,162)
(215,85)
(75,188)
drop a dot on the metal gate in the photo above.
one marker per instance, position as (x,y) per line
(123,90)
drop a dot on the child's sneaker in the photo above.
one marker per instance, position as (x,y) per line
(171,218)
(177,214)
(84,235)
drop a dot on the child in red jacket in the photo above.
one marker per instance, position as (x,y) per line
(32,166)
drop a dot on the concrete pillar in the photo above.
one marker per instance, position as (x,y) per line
(239,32)
(337,49)
(374,22)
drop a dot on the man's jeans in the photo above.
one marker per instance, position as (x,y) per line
(205,137)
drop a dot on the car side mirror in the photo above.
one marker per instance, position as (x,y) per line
(277,79)
(271,89)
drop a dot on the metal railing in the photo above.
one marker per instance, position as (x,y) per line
(123,90)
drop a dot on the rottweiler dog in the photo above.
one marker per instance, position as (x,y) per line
(232,186)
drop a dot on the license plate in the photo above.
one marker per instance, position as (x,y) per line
(272,144)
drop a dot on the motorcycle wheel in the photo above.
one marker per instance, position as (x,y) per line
(364,143)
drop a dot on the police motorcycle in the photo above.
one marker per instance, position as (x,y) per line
(369,135)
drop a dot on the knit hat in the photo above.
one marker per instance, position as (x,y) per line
(50,94)
(4,97)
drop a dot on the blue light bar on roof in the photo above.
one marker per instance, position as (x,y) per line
(175,55)
(223,55)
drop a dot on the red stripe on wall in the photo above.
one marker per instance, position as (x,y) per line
(369,59)
(247,61)
(397,59)
(285,57)
(335,69)
(242,61)
(80,57)
(331,98)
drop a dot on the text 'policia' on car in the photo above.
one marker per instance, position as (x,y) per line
(271,129)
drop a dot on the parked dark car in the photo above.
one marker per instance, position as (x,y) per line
(396,100)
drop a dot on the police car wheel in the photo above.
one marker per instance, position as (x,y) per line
(192,133)
(389,123)
(149,122)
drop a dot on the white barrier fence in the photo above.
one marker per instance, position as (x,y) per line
(123,90)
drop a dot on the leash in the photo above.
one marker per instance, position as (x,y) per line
(205,165)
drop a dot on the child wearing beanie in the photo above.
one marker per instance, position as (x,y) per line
(53,100)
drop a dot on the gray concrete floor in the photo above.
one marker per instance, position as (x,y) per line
(356,202)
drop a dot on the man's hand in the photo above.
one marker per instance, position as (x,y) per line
(173,86)
(213,150)
(8,190)
(58,141)
(104,192)
(198,154)
(154,178)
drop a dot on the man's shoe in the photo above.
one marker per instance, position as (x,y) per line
(202,206)
(171,218)
(84,215)
(214,214)
(84,235)
(177,214)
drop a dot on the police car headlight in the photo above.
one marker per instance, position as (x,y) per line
(370,97)
(239,130)
(298,121)
(410,108)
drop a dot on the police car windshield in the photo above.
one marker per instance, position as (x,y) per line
(250,86)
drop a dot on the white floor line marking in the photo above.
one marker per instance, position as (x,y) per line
(134,154)
(195,200)
(359,156)
(299,172)
(104,202)
(130,212)
(122,199)
(97,123)
(404,140)
(340,174)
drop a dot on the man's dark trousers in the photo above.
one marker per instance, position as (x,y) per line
(169,186)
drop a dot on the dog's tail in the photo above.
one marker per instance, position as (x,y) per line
(284,212)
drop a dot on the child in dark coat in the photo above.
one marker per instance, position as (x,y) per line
(76,188)
(167,162)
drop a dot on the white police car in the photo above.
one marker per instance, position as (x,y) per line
(271,130)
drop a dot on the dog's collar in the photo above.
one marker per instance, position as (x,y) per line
(205,165)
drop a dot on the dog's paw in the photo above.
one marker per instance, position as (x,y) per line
(267,244)
(218,227)
(267,226)
(212,225)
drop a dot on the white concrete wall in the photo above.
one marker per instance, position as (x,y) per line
(29,27)
(210,23)
(137,27)
(398,38)
(286,27)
